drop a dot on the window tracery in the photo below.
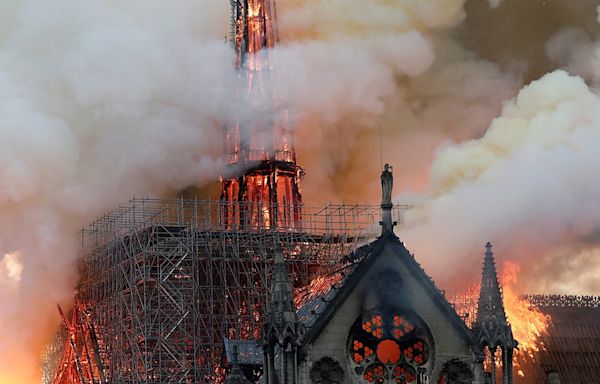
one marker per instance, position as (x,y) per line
(387,345)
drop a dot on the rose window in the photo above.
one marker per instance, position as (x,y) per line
(388,346)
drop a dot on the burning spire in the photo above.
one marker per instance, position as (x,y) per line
(261,185)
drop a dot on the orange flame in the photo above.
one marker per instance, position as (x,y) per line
(318,286)
(528,323)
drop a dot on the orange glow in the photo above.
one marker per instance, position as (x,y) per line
(11,379)
(528,323)
(253,11)
(388,352)
(318,286)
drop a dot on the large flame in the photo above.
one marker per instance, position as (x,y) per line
(317,286)
(528,323)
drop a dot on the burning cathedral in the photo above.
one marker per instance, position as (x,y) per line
(258,287)
(382,321)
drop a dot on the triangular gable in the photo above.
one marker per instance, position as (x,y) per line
(324,307)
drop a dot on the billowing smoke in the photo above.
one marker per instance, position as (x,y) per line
(383,77)
(98,101)
(103,100)
(528,184)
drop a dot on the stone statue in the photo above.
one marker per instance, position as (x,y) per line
(553,377)
(387,182)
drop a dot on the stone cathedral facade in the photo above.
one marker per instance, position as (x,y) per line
(382,321)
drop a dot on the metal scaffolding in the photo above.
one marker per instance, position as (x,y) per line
(52,356)
(165,281)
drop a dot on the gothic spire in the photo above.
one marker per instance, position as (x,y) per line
(281,335)
(491,326)
(490,305)
(282,321)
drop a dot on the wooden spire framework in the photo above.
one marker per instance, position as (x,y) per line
(261,182)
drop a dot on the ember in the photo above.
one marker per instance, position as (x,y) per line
(317,287)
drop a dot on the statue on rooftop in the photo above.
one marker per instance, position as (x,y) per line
(387,182)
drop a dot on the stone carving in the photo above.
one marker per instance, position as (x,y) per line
(387,183)
(326,371)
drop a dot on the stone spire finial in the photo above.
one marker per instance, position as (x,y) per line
(488,248)
(553,377)
(490,305)
(282,328)
(491,326)
(387,183)
(281,318)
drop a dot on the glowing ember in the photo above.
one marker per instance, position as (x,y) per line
(465,304)
(254,11)
(318,286)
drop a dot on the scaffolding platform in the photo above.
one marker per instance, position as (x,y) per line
(166,281)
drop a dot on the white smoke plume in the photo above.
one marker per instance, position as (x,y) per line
(98,101)
(360,71)
(528,184)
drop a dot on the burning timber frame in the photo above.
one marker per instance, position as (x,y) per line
(165,281)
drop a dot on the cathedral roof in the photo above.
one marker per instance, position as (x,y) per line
(315,310)
(312,300)
(571,345)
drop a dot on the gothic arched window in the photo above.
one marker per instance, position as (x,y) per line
(387,345)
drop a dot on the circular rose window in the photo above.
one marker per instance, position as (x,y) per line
(387,346)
